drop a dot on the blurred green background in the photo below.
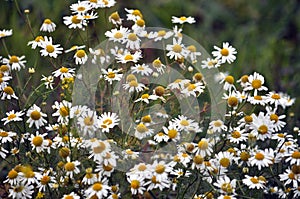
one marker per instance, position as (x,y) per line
(265,32)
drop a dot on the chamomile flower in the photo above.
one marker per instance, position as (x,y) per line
(142,131)
(62,111)
(105,3)
(75,21)
(158,65)
(71,195)
(217,126)
(99,150)
(111,75)
(262,158)
(133,15)
(107,121)
(36,42)
(183,19)
(64,72)
(172,132)
(132,41)
(192,53)
(21,191)
(71,167)
(176,50)
(226,185)
(129,57)
(8,93)
(255,82)
(48,26)
(12,116)
(262,127)
(194,89)
(289,176)
(115,19)
(133,85)
(276,119)
(254,182)
(159,35)
(293,157)
(5,33)
(14,62)
(225,54)
(88,122)
(146,98)
(50,49)
(276,99)
(142,69)
(203,148)
(117,35)
(186,124)
(136,184)
(161,169)
(99,189)
(38,142)
(257,99)
(81,7)
(237,135)
(178,84)
(48,81)
(80,57)
(36,117)
(6,136)
(161,137)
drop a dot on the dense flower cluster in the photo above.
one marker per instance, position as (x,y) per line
(65,150)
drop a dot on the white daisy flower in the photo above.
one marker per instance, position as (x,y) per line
(111,75)
(257,99)
(81,7)
(255,82)
(133,15)
(99,189)
(186,124)
(203,148)
(36,117)
(80,57)
(226,185)
(172,132)
(62,111)
(217,126)
(88,122)
(262,158)
(142,69)
(132,41)
(75,21)
(193,89)
(290,177)
(142,131)
(134,86)
(64,72)
(293,157)
(21,191)
(128,57)
(50,49)
(161,137)
(48,81)
(183,19)
(5,33)
(117,35)
(225,54)
(276,99)
(36,42)
(8,93)
(176,50)
(254,182)
(12,116)
(38,142)
(262,127)
(107,121)
(48,26)
(146,98)
(237,135)
(6,136)
(159,35)
(71,195)
(158,65)
(115,19)
(136,184)
(71,167)
(14,62)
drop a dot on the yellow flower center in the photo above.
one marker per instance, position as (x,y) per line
(39,38)
(198,159)
(69,166)
(3,134)
(203,144)
(64,70)
(133,83)
(37,141)
(244,78)
(115,16)
(184,123)
(172,133)
(160,168)
(256,84)
(257,97)
(224,52)
(75,20)
(13,59)
(50,48)
(111,75)
(18,189)
(161,33)
(137,13)
(4,68)
(88,121)
(12,174)
(177,48)
(132,37)
(128,57)
(191,87)
(118,35)
(47,21)
(81,8)
(296,155)
(35,115)
(153,180)
(275,96)
(183,18)
(291,176)
(80,53)
(225,162)
(248,119)
(108,167)
(191,48)
(8,90)
(159,91)
(141,128)
(244,156)
(100,148)
(156,63)
(263,129)
(146,119)
(254,180)
(236,134)
(232,101)
(142,167)
(274,117)
(130,78)
(226,187)
(68,197)
(218,123)
(135,184)
(140,22)
(97,186)
(259,156)
(45,180)
(11,116)
(64,111)
(198,76)
(229,79)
